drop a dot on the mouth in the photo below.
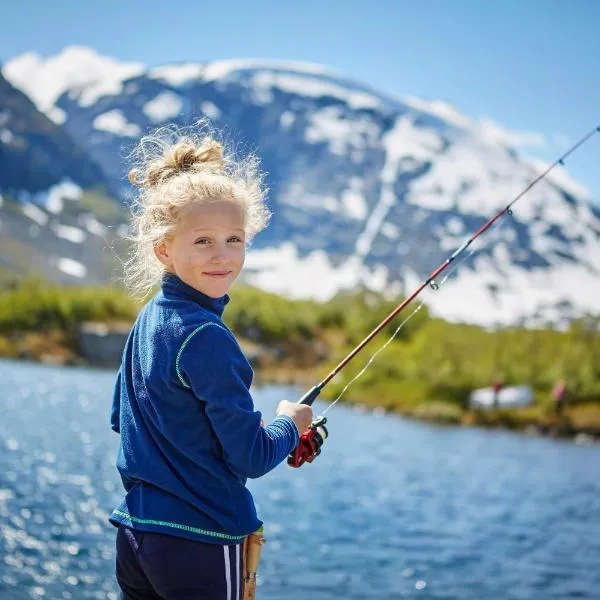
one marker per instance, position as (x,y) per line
(217,274)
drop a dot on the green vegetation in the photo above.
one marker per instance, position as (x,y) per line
(444,361)
(34,305)
(106,209)
(265,317)
(427,371)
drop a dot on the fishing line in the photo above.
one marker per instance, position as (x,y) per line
(310,442)
(402,324)
(312,394)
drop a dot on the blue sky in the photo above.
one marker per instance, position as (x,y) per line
(530,65)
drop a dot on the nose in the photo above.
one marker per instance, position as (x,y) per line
(220,253)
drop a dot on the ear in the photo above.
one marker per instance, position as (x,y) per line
(162,251)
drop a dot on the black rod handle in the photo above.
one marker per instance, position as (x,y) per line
(310,396)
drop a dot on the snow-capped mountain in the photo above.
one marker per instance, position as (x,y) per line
(48,224)
(365,189)
(34,152)
(64,234)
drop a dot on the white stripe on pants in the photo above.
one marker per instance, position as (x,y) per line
(235,576)
(238,570)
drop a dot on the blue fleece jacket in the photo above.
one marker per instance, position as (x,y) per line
(190,436)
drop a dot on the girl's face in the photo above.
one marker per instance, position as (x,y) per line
(207,248)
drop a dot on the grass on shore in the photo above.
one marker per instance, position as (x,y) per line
(427,373)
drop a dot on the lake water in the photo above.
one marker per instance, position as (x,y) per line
(392,508)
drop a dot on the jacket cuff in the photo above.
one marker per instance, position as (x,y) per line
(289,425)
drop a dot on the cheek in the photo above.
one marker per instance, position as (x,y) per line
(242,259)
(186,256)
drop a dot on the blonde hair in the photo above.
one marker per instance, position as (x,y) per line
(173,169)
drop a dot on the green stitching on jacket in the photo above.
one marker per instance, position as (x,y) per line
(185,343)
(224,536)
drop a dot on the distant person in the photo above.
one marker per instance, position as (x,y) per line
(559,393)
(189,433)
(497,387)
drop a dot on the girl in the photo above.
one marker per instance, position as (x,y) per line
(189,434)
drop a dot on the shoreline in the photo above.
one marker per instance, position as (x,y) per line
(549,425)
(54,350)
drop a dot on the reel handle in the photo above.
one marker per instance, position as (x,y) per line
(309,444)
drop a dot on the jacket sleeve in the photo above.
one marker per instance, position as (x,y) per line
(116,406)
(211,364)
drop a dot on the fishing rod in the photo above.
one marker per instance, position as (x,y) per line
(309,445)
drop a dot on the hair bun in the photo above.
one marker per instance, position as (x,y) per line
(183,157)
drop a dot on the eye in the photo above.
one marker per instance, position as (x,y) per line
(235,239)
(202,241)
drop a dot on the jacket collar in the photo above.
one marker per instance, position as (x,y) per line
(171,286)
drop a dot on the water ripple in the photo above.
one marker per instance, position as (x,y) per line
(393,509)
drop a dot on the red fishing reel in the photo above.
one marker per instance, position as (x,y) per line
(309,445)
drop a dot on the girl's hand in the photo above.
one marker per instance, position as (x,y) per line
(301,414)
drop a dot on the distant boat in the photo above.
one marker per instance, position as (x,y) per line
(508,397)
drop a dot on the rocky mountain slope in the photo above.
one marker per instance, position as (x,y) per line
(48,225)
(366,190)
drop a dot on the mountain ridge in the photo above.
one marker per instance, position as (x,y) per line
(359,181)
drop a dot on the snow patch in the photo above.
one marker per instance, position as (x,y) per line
(210,110)
(114,121)
(295,194)
(314,88)
(66,232)
(455,226)
(163,107)
(221,69)
(461,177)
(78,69)
(390,231)
(487,129)
(331,124)
(353,201)
(72,267)
(287,118)
(34,213)
(493,133)
(92,225)
(560,177)
(408,141)
(6,136)
(66,190)
(51,200)
(177,75)
(402,140)
(282,271)
(519,295)
(58,115)
(440,109)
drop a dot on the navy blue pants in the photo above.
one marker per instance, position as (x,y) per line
(164,567)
